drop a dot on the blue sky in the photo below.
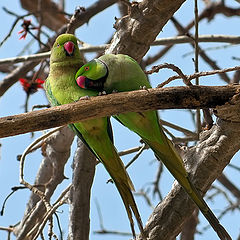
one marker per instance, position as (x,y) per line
(144,170)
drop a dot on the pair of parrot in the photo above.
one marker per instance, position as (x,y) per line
(68,81)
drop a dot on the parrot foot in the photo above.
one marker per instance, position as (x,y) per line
(114,91)
(84,98)
(102,93)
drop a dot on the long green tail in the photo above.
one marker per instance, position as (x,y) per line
(170,158)
(130,206)
(125,188)
(107,154)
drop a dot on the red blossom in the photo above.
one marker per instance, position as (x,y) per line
(24,35)
(30,86)
(26,28)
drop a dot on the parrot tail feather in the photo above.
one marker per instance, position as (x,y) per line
(124,185)
(209,215)
(130,205)
(170,158)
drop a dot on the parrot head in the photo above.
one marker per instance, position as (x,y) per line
(92,75)
(65,48)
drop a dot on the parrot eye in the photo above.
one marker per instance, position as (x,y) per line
(58,45)
(86,68)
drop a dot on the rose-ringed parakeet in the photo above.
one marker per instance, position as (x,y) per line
(61,88)
(122,73)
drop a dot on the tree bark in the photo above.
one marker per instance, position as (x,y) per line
(83,174)
(136,31)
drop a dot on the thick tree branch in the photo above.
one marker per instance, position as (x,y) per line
(50,13)
(136,31)
(83,174)
(205,162)
(189,228)
(141,100)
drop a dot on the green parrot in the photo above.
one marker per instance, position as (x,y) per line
(111,73)
(61,88)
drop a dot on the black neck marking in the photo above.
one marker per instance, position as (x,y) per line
(99,83)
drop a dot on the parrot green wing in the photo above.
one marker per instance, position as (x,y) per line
(122,73)
(61,88)
(49,94)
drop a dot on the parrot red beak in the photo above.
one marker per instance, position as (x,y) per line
(81,81)
(69,48)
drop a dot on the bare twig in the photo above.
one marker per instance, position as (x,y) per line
(146,197)
(60,201)
(196,48)
(99,48)
(29,149)
(33,188)
(99,215)
(209,12)
(176,69)
(82,17)
(131,150)
(14,189)
(229,185)
(14,24)
(203,55)
(136,156)
(199,74)
(178,128)
(9,229)
(234,167)
(56,151)
(156,189)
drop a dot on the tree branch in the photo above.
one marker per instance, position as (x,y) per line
(141,100)
(157,42)
(205,162)
(136,31)
(50,174)
(52,16)
(83,174)
(84,17)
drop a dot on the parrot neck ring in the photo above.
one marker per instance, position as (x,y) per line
(69,48)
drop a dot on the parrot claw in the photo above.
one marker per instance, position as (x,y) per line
(114,91)
(143,88)
(102,93)
(84,98)
(110,181)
